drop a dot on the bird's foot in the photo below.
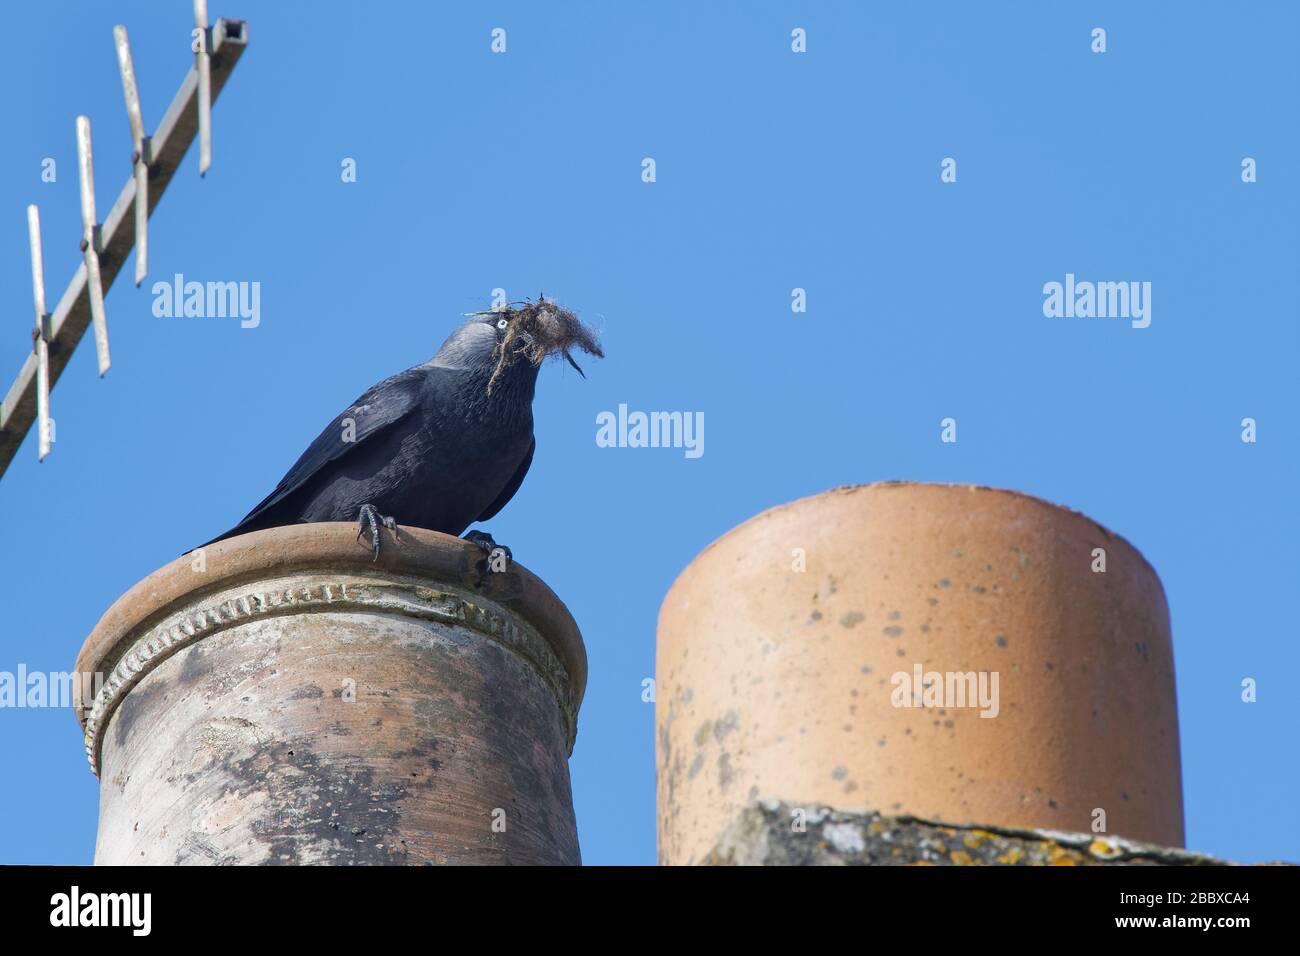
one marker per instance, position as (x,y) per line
(370,516)
(498,555)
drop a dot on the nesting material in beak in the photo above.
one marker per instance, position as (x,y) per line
(539,329)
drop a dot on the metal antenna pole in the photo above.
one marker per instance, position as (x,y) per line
(40,335)
(141,155)
(204,64)
(90,242)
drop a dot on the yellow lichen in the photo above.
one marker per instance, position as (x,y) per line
(1103,849)
(1060,856)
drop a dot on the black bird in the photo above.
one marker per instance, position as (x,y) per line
(439,446)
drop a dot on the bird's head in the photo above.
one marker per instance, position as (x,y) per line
(530,332)
(517,338)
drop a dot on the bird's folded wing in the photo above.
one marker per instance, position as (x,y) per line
(380,408)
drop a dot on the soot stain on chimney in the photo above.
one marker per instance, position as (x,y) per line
(138,703)
(335,806)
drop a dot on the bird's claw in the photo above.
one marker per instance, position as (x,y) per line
(370,515)
(498,555)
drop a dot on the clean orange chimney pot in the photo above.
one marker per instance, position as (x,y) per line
(958,653)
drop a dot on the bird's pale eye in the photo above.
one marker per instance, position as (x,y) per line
(501,324)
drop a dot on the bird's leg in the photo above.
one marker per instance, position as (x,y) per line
(370,515)
(498,555)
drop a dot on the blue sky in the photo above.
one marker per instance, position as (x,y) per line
(774,171)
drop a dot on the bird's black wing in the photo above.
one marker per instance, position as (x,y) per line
(512,485)
(379,408)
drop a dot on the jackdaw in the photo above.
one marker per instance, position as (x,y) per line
(439,446)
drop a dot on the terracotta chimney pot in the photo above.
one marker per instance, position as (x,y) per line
(779,646)
(291,701)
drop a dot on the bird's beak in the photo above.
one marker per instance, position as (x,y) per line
(560,330)
(569,358)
